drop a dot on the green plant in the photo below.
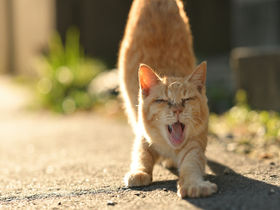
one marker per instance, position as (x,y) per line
(65,74)
(247,126)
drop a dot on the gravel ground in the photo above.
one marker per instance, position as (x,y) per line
(78,162)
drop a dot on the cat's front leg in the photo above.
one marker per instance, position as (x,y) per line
(143,160)
(191,171)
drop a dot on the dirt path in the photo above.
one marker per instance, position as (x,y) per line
(78,162)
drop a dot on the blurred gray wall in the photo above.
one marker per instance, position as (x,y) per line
(255,23)
(255,59)
(101,24)
(210,24)
(25,26)
(218,26)
(3,37)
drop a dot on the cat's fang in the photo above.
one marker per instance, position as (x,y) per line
(183,126)
(169,128)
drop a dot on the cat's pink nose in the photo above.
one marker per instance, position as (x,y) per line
(177,111)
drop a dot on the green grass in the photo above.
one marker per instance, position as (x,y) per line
(65,75)
(249,128)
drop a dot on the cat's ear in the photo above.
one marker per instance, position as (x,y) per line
(198,77)
(147,78)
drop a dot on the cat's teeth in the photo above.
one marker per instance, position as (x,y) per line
(183,126)
(170,128)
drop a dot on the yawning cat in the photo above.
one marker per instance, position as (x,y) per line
(164,95)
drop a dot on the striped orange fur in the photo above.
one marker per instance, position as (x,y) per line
(164,95)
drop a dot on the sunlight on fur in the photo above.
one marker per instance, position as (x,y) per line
(164,95)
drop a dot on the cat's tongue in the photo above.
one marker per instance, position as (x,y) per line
(176,133)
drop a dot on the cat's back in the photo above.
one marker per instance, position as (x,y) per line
(158,34)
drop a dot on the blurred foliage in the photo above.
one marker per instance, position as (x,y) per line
(65,75)
(248,128)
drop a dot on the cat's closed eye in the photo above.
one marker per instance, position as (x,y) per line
(160,100)
(184,100)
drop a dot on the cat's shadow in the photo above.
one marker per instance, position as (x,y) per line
(235,190)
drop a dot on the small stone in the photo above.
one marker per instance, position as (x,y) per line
(273,176)
(265,156)
(111,203)
(227,171)
(143,196)
(271,191)
(231,147)
(137,194)
(59,203)
(272,163)
(50,170)
(229,136)
(165,190)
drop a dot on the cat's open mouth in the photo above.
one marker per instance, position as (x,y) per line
(176,133)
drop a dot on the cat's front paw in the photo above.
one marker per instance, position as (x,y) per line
(195,190)
(137,178)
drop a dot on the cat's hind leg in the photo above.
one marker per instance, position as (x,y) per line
(143,160)
(168,163)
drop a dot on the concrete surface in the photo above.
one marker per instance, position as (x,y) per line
(78,162)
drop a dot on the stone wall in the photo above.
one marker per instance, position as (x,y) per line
(255,28)
(257,71)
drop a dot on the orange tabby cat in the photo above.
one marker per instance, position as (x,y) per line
(166,105)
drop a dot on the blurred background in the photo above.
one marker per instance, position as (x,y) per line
(65,52)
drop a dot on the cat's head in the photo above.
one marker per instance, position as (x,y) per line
(173,108)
